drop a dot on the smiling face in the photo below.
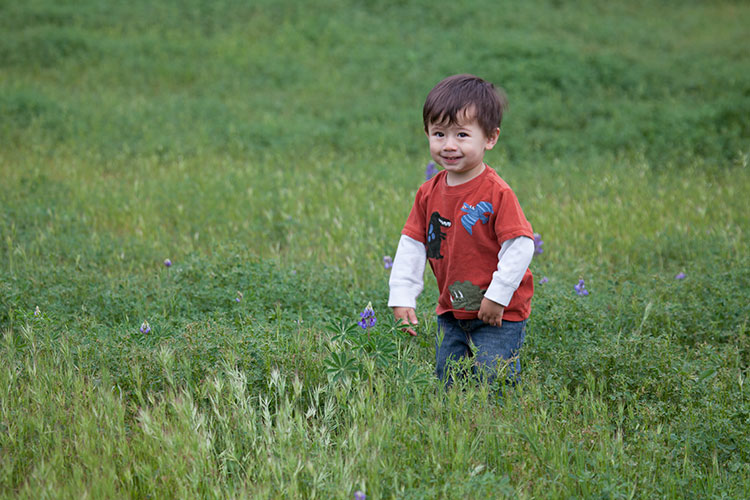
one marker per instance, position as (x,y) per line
(459,147)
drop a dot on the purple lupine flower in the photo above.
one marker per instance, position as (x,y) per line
(543,280)
(145,327)
(538,244)
(580,288)
(167,263)
(358,495)
(680,276)
(239,297)
(387,262)
(368,318)
(430,171)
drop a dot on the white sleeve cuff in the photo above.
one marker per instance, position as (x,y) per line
(512,261)
(407,274)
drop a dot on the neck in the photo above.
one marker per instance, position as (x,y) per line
(456,179)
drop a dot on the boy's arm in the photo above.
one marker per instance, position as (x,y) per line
(512,261)
(407,280)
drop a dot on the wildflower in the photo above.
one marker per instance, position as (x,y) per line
(358,495)
(167,263)
(543,280)
(430,171)
(145,327)
(239,297)
(538,244)
(680,276)
(368,318)
(37,312)
(580,288)
(387,262)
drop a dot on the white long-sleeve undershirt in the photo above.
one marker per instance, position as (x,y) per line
(407,274)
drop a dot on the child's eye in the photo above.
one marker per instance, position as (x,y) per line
(437,133)
(463,134)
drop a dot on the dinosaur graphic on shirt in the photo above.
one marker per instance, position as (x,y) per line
(466,295)
(435,234)
(475,214)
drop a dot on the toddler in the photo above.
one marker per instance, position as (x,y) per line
(468,223)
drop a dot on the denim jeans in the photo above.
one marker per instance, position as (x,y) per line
(492,347)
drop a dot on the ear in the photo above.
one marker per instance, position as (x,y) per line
(492,139)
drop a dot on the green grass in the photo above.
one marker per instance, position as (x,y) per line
(274,148)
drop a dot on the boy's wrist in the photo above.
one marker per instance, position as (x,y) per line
(499,294)
(494,302)
(401,298)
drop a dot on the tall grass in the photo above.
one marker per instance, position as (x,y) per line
(274,149)
(222,436)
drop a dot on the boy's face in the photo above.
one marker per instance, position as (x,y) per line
(459,148)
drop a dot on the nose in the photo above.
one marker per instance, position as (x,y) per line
(450,143)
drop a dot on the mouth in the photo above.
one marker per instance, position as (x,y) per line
(451,159)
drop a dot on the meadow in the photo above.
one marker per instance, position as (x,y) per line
(196,199)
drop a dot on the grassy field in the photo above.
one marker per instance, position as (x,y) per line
(271,152)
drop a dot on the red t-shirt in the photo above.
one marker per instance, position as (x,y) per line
(462,228)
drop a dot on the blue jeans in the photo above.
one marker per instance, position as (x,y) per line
(492,347)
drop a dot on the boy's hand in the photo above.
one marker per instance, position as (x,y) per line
(408,316)
(491,312)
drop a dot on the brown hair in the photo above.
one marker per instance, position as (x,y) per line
(460,93)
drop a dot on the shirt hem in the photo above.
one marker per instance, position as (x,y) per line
(461,314)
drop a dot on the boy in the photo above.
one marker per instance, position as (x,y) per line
(468,223)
